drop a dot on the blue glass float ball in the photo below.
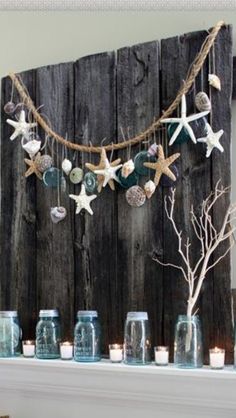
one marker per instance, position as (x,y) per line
(90,182)
(52,177)
(141,158)
(129,181)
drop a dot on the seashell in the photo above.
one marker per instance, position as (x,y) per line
(76,175)
(135,196)
(9,108)
(202,102)
(66,166)
(31,147)
(58,213)
(152,150)
(149,188)
(43,162)
(214,81)
(127,168)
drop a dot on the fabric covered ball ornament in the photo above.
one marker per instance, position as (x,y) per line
(43,162)
(129,181)
(76,175)
(202,102)
(90,182)
(58,213)
(141,158)
(9,108)
(166,181)
(135,196)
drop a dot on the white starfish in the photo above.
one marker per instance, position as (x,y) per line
(83,200)
(109,172)
(184,121)
(21,126)
(212,140)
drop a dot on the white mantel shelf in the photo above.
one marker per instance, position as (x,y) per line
(32,388)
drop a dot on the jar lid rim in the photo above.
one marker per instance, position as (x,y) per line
(48,312)
(9,313)
(137,315)
(87,313)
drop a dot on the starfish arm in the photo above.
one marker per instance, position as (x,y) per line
(90,166)
(183,105)
(176,133)
(106,179)
(202,139)
(111,184)
(12,123)
(14,135)
(169,173)
(92,197)
(29,172)
(73,196)
(150,165)
(191,133)
(196,116)
(116,162)
(209,151)
(172,158)
(219,146)
(100,172)
(220,133)
(171,120)
(89,209)
(161,152)
(117,168)
(32,125)
(157,177)
(78,209)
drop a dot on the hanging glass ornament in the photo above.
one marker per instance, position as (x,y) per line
(141,158)
(129,181)
(135,196)
(183,135)
(166,181)
(90,182)
(9,108)
(76,175)
(52,177)
(58,213)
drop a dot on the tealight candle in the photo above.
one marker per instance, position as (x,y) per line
(66,350)
(28,348)
(161,355)
(217,358)
(116,353)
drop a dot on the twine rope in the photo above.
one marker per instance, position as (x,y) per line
(193,71)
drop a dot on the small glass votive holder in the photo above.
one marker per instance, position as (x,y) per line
(217,358)
(28,347)
(161,355)
(66,350)
(116,353)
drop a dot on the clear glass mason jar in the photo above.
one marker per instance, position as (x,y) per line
(188,342)
(48,334)
(10,334)
(87,337)
(137,341)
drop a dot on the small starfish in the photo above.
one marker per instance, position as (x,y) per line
(83,200)
(184,121)
(33,167)
(21,126)
(101,166)
(212,140)
(162,165)
(108,172)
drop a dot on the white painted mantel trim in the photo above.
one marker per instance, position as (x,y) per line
(31,388)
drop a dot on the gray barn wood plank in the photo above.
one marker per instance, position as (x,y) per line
(96,236)
(18,221)
(139,229)
(221,169)
(55,254)
(193,186)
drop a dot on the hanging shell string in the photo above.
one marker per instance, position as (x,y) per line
(210,58)
(191,75)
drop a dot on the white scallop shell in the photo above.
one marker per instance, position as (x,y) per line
(202,102)
(135,196)
(32,147)
(66,166)
(214,81)
(58,213)
(127,168)
(149,188)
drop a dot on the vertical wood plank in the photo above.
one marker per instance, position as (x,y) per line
(18,220)
(139,229)
(96,236)
(55,253)
(193,186)
(221,169)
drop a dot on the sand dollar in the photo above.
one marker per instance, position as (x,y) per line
(76,175)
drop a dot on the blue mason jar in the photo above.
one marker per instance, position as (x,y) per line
(48,334)
(137,341)
(10,334)
(188,351)
(87,336)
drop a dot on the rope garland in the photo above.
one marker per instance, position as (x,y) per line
(192,74)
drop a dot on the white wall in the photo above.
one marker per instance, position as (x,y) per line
(32,39)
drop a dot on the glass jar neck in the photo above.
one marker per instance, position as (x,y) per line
(185,318)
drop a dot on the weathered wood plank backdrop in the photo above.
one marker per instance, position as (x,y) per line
(105,262)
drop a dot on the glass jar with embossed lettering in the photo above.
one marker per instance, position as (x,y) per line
(10,334)
(87,337)
(48,334)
